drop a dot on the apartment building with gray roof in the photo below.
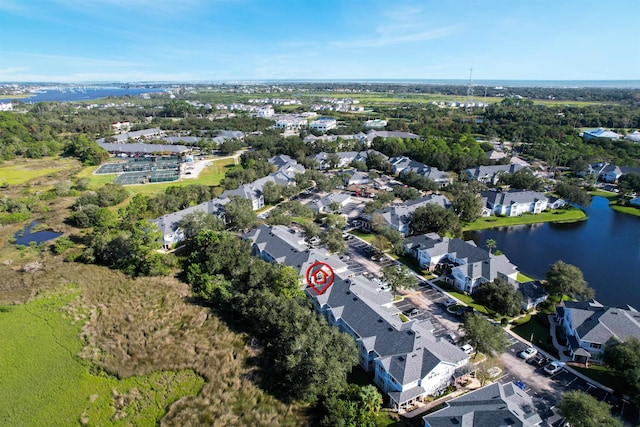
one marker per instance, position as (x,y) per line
(407,361)
(491,406)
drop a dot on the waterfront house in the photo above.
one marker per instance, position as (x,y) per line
(517,202)
(470,265)
(589,327)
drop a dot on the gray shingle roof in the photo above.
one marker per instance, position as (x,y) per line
(489,173)
(512,196)
(139,147)
(492,406)
(596,323)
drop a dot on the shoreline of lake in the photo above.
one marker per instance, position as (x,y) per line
(606,247)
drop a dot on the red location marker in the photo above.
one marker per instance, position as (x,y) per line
(319,277)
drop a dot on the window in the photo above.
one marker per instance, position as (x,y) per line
(595,345)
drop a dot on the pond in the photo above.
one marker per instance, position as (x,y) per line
(606,247)
(26,236)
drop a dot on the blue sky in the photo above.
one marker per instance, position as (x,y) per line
(212,40)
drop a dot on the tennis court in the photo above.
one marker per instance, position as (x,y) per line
(110,168)
(131,178)
(164,176)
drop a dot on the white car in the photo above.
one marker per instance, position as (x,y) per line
(467,348)
(527,353)
(553,368)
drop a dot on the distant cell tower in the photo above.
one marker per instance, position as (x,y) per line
(469,100)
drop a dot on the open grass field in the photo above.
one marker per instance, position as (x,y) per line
(561,215)
(21,171)
(45,382)
(411,98)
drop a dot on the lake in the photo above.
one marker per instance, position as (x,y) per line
(83,94)
(25,236)
(606,247)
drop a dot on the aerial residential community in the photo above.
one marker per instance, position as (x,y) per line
(289,215)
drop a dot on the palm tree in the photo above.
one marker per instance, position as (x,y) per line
(371,398)
(491,244)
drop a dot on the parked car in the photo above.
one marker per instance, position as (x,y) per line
(467,348)
(527,353)
(411,312)
(449,303)
(538,360)
(519,384)
(451,337)
(553,368)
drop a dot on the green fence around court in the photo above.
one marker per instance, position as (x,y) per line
(110,168)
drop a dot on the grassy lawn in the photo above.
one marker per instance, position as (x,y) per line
(364,236)
(602,193)
(562,215)
(538,327)
(45,382)
(605,377)
(630,210)
(523,278)
(16,172)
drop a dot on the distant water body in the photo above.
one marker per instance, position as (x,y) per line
(83,94)
(620,84)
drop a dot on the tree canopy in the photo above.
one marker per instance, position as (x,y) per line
(399,277)
(499,296)
(583,410)
(482,335)
(433,218)
(567,279)
(624,358)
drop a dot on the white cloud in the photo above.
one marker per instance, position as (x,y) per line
(389,38)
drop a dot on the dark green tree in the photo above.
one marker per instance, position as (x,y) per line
(567,279)
(499,296)
(433,218)
(573,194)
(624,359)
(399,277)
(482,335)
(193,223)
(468,206)
(583,410)
(239,214)
(332,239)
(272,193)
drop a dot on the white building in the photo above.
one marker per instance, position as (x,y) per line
(324,124)
(265,112)
(290,123)
(375,124)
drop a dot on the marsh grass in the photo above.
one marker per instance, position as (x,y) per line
(146,331)
(45,382)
